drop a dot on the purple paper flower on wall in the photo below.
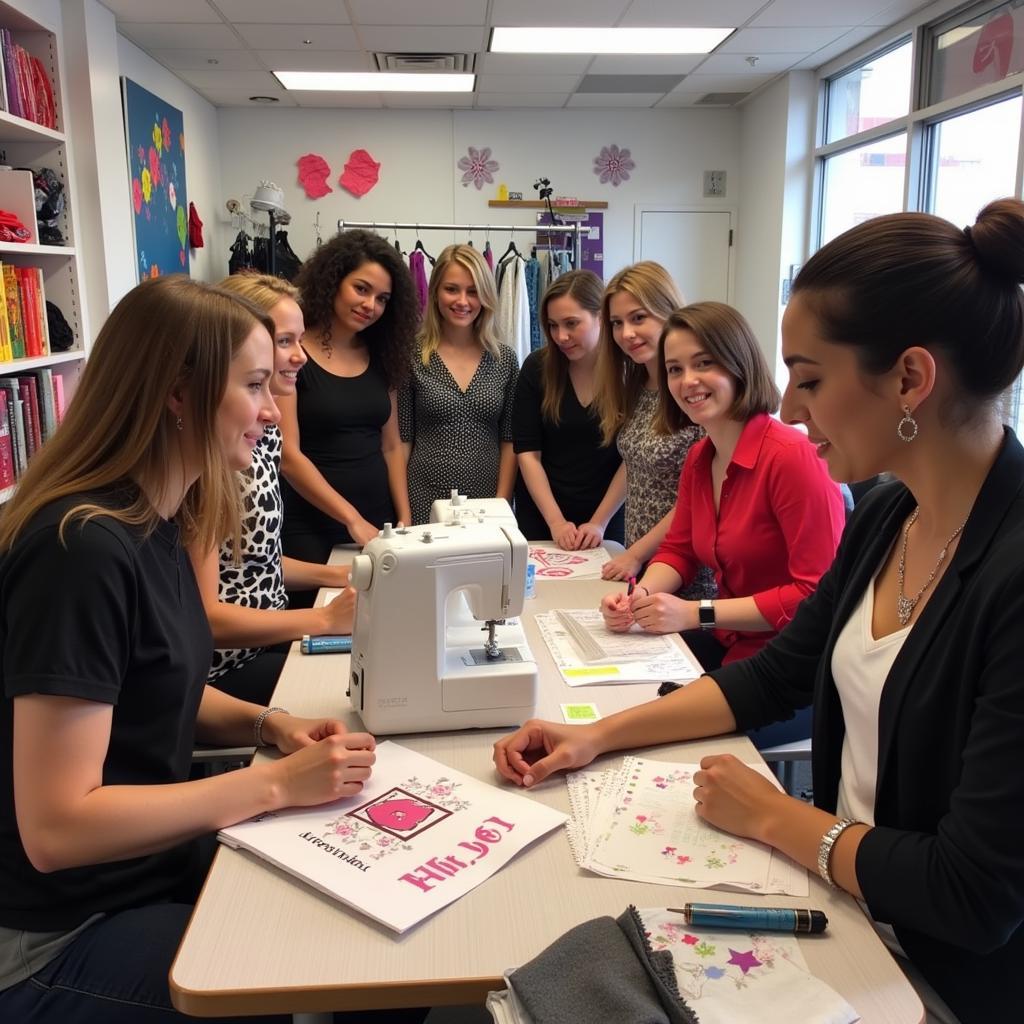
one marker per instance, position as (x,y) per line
(477,167)
(613,164)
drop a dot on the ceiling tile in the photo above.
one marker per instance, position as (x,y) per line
(339,100)
(629,83)
(734,64)
(692,13)
(781,40)
(810,13)
(533,63)
(655,64)
(181,37)
(240,98)
(402,12)
(292,37)
(564,12)
(262,82)
(614,99)
(418,100)
(526,83)
(429,39)
(199,60)
(294,12)
(678,99)
(722,83)
(522,99)
(316,60)
(897,12)
(845,42)
(146,10)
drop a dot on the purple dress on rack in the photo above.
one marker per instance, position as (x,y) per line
(417,268)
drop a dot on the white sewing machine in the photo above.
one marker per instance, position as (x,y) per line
(431,648)
(460,509)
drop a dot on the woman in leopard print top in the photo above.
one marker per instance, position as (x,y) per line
(245,596)
(637,302)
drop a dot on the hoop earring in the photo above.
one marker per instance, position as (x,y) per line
(906,429)
(179,423)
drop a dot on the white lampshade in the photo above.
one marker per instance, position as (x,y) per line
(267,197)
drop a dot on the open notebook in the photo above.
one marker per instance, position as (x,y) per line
(418,837)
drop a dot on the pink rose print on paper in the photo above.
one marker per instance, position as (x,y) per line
(313,174)
(361,173)
(690,940)
(478,167)
(137,195)
(402,815)
(613,164)
(166,134)
(154,165)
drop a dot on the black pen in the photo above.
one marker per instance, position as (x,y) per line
(754,919)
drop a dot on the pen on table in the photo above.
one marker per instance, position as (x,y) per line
(631,587)
(755,919)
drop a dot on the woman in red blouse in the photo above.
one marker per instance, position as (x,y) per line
(755,502)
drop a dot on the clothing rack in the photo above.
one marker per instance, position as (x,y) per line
(576,230)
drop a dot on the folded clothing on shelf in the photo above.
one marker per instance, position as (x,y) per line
(12,229)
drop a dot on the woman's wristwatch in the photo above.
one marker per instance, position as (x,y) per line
(706,614)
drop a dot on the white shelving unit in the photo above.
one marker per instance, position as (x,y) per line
(25,144)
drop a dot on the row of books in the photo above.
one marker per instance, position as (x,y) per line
(25,87)
(31,407)
(23,328)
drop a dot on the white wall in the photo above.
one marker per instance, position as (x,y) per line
(418,151)
(776,140)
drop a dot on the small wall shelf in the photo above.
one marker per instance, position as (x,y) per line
(539,204)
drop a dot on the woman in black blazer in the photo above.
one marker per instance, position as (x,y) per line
(900,337)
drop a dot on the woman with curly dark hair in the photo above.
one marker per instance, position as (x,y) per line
(342,459)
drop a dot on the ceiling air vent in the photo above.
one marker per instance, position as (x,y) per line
(424,61)
(720,99)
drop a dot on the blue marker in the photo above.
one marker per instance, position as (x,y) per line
(326,644)
(753,919)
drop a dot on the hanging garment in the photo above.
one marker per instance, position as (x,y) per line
(533,294)
(417,268)
(489,256)
(514,306)
(195,227)
(286,263)
(241,256)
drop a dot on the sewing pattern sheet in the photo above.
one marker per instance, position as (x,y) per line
(552,563)
(649,656)
(417,837)
(734,977)
(640,823)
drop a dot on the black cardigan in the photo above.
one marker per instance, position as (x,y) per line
(944,863)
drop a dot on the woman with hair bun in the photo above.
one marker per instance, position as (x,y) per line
(900,337)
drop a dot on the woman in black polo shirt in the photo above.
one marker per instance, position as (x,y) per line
(105,652)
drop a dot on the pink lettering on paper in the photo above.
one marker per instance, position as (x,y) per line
(437,869)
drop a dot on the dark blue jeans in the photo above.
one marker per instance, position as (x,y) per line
(116,971)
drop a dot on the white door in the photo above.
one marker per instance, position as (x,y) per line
(694,246)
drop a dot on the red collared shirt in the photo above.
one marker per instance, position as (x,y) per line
(779,522)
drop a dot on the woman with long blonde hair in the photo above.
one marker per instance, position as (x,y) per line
(455,414)
(570,487)
(637,302)
(244,588)
(105,653)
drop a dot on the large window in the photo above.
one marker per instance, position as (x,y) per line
(873,93)
(862,183)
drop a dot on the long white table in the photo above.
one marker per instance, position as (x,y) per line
(260,941)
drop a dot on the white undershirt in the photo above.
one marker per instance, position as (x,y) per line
(860,666)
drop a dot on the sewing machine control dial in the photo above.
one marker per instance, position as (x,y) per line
(387,531)
(362,572)
(427,537)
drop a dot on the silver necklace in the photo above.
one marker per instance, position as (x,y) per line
(905,605)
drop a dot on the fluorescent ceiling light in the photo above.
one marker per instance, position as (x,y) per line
(606,40)
(375,81)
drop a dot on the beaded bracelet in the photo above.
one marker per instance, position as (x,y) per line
(828,841)
(257,726)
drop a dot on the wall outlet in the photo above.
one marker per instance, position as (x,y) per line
(714,183)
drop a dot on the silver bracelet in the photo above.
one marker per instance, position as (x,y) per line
(828,841)
(257,726)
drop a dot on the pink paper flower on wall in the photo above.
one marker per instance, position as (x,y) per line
(613,164)
(313,174)
(478,167)
(361,173)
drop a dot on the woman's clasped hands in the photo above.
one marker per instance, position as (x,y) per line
(654,613)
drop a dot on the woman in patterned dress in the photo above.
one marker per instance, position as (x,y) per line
(245,598)
(637,302)
(455,414)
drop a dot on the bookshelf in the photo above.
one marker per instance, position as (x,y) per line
(25,144)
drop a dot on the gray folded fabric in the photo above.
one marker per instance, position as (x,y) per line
(602,971)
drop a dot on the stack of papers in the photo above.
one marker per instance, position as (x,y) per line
(417,837)
(586,651)
(640,823)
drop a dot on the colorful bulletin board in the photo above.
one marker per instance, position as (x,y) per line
(155,136)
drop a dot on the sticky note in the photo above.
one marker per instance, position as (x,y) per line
(580,714)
